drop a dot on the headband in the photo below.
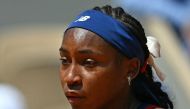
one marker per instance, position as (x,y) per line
(111,30)
(154,48)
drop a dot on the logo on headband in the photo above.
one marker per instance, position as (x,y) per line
(82,18)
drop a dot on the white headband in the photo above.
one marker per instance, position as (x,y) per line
(154,49)
(153,46)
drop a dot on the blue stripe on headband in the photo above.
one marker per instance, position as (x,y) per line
(111,30)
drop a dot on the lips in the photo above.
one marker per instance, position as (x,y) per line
(74,97)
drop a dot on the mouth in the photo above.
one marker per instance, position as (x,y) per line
(74,97)
(74,100)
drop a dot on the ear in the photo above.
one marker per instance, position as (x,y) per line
(133,67)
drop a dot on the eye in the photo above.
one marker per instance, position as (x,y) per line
(64,60)
(89,63)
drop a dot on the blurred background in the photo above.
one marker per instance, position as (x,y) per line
(31,33)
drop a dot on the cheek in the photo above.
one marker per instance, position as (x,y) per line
(103,85)
(61,76)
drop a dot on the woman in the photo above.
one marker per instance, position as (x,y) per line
(103,56)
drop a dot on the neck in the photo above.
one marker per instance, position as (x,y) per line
(121,102)
(123,105)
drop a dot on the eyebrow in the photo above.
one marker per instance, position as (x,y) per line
(82,51)
(89,51)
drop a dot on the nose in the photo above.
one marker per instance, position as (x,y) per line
(72,78)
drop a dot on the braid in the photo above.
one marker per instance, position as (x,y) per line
(143,86)
(145,81)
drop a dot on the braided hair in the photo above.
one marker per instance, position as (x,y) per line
(143,87)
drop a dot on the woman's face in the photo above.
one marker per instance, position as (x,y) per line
(92,74)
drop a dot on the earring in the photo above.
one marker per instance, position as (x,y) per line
(129,80)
